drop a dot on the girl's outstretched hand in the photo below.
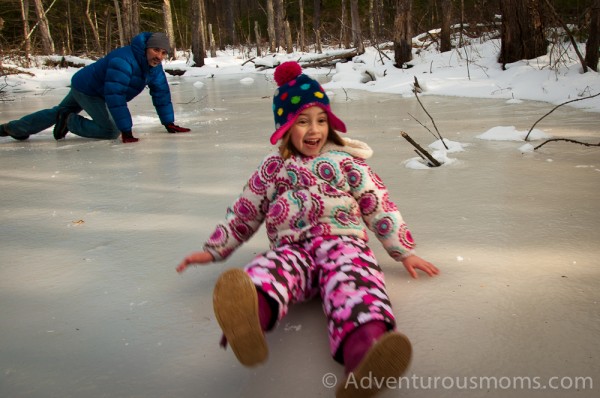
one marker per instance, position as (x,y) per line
(195,258)
(413,263)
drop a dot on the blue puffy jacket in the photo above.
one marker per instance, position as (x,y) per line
(120,76)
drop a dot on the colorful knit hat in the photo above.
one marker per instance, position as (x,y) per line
(295,93)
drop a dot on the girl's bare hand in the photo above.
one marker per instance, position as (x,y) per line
(413,263)
(195,258)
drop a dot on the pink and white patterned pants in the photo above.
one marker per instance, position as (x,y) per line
(342,270)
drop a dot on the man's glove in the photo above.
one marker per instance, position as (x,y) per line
(173,128)
(127,136)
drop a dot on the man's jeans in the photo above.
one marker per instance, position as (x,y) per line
(101,126)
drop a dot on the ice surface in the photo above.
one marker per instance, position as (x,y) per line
(91,232)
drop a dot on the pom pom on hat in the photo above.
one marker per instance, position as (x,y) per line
(286,72)
(295,93)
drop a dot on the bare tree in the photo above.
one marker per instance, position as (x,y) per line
(403,33)
(357,40)
(168,17)
(25,18)
(120,24)
(372,17)
(271,26)
(279,23)
(135,18)
(445,42)
(257,35)
(593,42)
(302,41)
(230,23)
(198,42)
(46,37)
(522,31)
(344,31)
(126,15)
(317,25)
(289,45)
(95,34)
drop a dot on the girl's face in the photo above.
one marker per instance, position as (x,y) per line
(309,133)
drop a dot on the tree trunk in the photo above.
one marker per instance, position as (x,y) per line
(403,33)
(230,23)
(357,40)
(372,31)
(168,16)
(289,44)
(107,30)
(46,37)
(119,24)
(317,25)
(279,23)
(126,14)
(197,28)
(302,41)
(271,26)
(70,45)
(593,43)
(344,31)
(257,35)
(95,34)
(213,45)
(445,42)
(25,18)
(522,31)
(135,18)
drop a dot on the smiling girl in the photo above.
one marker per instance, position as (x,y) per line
(317,196)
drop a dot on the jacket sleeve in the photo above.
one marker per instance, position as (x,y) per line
(118,77)
(161,95)
(242,219)
(380,214)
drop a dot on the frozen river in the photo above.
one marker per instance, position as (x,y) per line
(91,232)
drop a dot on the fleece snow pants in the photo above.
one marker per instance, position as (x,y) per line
(342,270)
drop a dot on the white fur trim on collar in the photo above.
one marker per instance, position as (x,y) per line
(356,148)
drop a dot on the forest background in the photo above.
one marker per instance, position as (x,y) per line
(91,28)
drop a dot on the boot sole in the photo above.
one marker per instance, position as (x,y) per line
(235,303)
(388,358)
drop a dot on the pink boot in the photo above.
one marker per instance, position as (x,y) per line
(372,352)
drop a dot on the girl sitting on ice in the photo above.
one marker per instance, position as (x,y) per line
(315,195)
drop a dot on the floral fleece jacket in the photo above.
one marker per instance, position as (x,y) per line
(305,197)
